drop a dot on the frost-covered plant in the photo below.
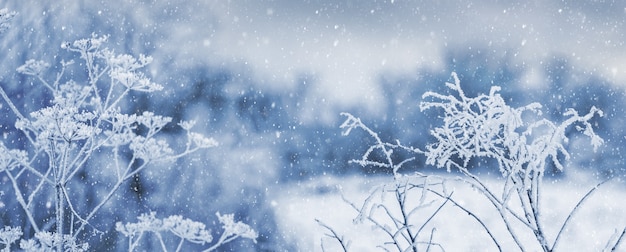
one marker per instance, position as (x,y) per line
(384,148)
(5,19)
(47,241)
(85,119)
(185,230)
(403,208)
(486,127)
(9,235)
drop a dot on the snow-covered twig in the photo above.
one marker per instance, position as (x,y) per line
(484,126)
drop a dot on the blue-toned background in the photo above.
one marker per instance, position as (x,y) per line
(268,80)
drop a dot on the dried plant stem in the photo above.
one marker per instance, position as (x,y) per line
(470,213)
(479,127)
(334,235)
(619,240)
(575,210)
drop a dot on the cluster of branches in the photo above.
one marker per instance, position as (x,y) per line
(473,127)
(85,120)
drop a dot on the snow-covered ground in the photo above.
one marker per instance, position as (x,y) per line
(299,204)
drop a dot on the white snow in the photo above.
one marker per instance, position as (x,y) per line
(299,204)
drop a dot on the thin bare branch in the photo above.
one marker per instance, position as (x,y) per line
(334,235)
(619,240)
(574,210)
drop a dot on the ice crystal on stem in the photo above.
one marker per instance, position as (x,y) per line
(33,67)
(185,229)
(9,235)
(485,126)
(5,18)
